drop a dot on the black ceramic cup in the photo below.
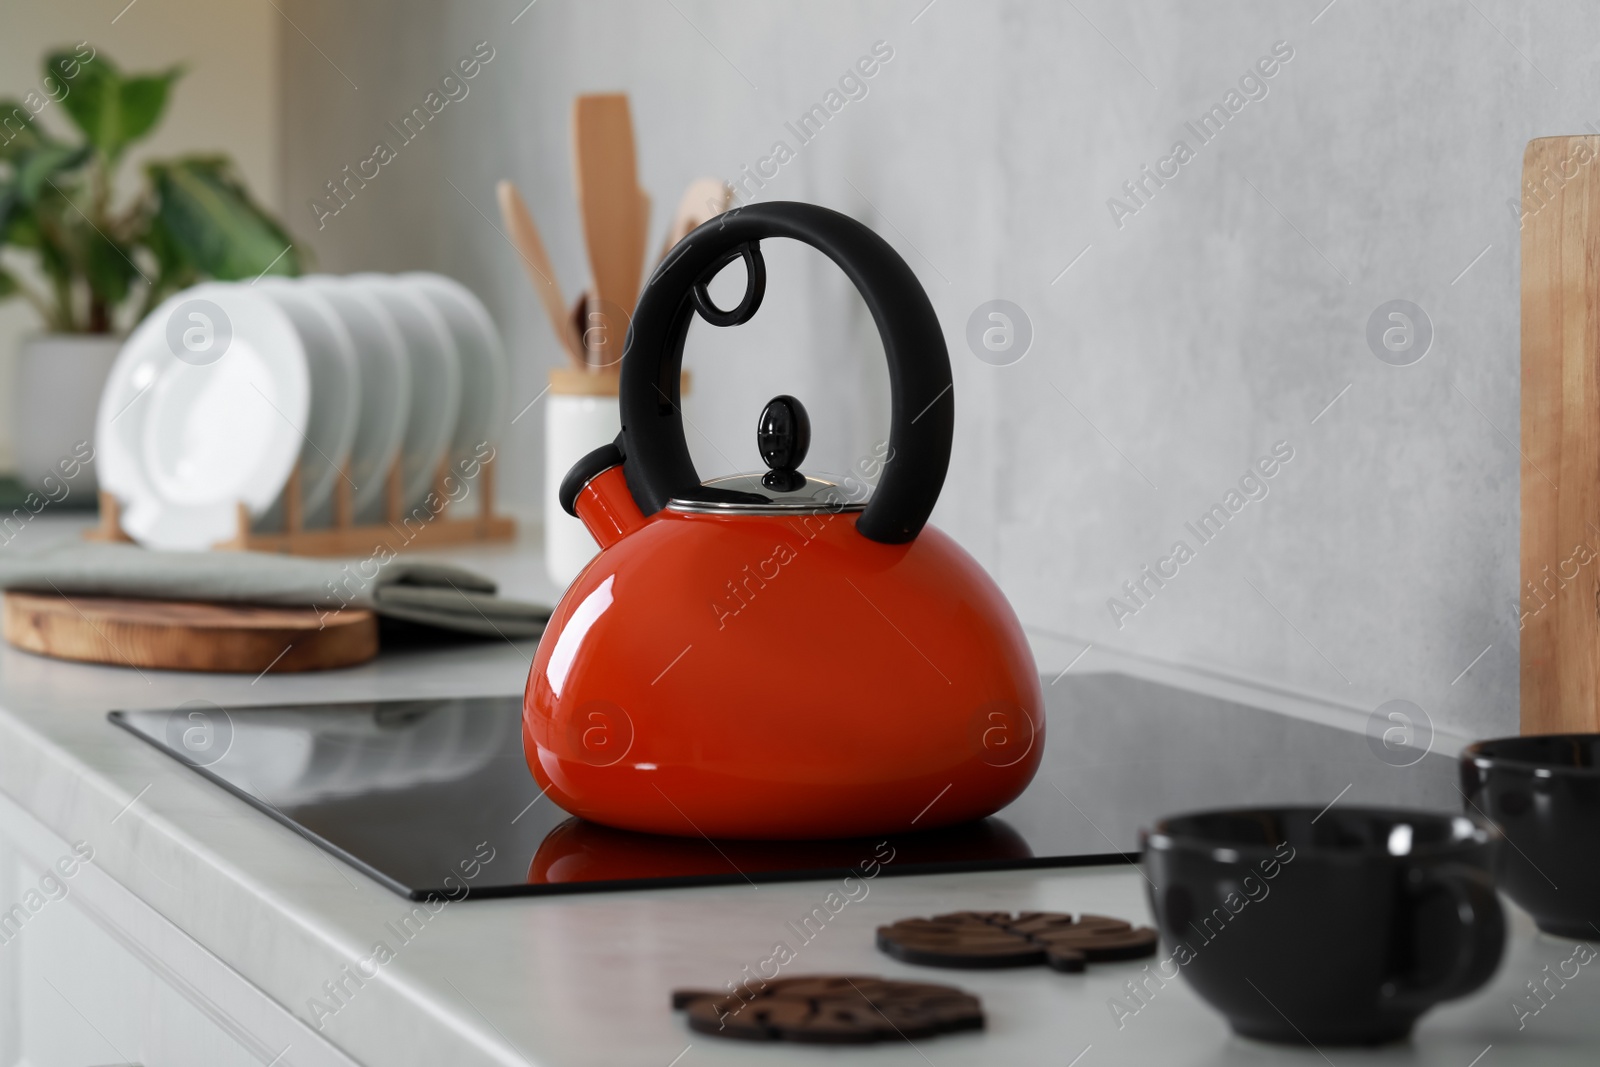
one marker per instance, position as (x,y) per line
(1543,793)
(1338,927)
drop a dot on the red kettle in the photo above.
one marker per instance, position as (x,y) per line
(776,655)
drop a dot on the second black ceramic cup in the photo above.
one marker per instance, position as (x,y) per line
(1338,927)
(1543,793)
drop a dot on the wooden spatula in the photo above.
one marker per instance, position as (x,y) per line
(536,261)
(595,333)
(608,199)
(642,235)
(703,200)
(578,323)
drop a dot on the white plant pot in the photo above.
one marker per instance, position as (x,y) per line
(57,391)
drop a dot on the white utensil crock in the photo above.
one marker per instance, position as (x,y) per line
(582,415)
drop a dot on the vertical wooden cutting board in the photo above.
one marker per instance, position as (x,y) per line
(1559,598)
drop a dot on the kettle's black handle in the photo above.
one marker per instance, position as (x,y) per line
(922,404)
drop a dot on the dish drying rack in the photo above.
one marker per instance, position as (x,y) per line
(400,531)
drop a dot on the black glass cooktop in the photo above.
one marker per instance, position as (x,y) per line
(432,797)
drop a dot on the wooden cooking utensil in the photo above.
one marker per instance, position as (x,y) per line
(183,636)
(578,323)
(608,201)
(530,248)
(642,241)
(703,200)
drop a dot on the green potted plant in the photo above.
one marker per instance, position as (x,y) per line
(92,262)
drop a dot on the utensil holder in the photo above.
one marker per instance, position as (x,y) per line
(581,416)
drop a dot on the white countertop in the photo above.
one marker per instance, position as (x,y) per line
(585,979)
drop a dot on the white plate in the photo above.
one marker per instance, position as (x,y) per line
(119,419)
(384,374)
(485,377)
(435,382)
(330,428)
(191,441)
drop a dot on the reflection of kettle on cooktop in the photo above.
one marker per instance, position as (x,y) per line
(578,851)
(774,655)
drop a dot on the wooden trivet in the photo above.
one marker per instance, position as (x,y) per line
(975,939)
(183,636)
(832,1010)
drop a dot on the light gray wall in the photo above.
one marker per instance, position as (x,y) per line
(1221,318)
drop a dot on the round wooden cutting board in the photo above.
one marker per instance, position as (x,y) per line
(182,636)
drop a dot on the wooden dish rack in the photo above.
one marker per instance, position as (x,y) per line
(401,530)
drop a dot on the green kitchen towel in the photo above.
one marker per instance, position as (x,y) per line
(429,594)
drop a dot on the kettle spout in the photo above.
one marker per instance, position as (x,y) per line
(607,507)
(596,491)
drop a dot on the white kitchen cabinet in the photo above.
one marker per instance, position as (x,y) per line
(90,975)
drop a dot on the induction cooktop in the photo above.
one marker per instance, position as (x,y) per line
(432,797)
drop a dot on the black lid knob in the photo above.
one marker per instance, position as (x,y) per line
(783,433)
